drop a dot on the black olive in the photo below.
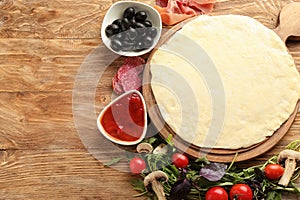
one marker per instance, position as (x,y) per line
(116,45)
(128,42)
(140,28)
(132,23)
(139,46)
(152,32)
(147,23)
(120,36)
(108,32)
(147,42)
(140,16)
(141,33)
(128,45)
(112,29)
(128,48)
(125,24)
(131,34)
(139,25)
(118,22)
(129,13)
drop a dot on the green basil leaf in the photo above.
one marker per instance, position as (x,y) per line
(138,185)
(273,195)
(112,161)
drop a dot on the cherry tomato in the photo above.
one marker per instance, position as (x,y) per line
(273,171)
(137,165)
(240,191)
(180,160)
(216,193)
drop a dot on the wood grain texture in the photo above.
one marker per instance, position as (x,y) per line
(41,65)
(52,19)
(43,45)
(59,174)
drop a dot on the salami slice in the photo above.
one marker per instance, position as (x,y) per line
(131,80)
(134,61)
(128,76)
(117,87)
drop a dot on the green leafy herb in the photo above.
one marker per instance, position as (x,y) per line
(169,139)
(112,161)
(191,183)
(273,195)
(138,185)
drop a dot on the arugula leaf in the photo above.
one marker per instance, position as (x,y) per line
(112,161)
(294,145)
(151,140)
(169,139)
(138,185)
(273,195)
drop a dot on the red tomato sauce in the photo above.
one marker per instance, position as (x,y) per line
(124,120)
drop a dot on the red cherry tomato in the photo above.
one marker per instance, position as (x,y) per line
(216,193)
(137,165)
(180,160)
(240,192)
(273,171)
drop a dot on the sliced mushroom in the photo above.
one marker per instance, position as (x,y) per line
(290,158)
(161,149)
(144,148)
(152,183)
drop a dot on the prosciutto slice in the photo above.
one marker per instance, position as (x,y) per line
(175,11)
(169,18)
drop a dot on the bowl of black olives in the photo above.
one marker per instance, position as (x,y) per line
(131,28)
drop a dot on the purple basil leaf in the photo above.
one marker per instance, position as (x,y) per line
(213,171)
(180,189)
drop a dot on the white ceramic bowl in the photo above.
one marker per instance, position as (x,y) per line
(116,12)
(113,139)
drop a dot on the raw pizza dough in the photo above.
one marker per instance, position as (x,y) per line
(224,82)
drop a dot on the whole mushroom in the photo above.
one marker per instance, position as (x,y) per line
(290,159)
(144,148)
(152,183)
(161,149)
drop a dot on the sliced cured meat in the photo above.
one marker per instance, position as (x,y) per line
(190,6)
(169,18)
(128,76)
(139,69)
(117,87)
(186,9)
(131,80)
(173,7)
(175,11)
(162,3)
(204,8)
(134,61)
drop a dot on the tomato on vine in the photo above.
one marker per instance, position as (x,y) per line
(216,193)
(137,165)
(180,160)
(240,191)
(273,171)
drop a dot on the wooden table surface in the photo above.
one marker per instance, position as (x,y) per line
(51,92)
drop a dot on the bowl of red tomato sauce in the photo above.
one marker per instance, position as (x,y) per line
(124,120)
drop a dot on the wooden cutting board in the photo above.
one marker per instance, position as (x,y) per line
(289,27)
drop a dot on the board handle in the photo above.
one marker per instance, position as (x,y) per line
(289,23)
